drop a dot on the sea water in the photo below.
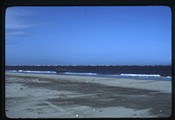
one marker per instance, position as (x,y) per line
(117,75)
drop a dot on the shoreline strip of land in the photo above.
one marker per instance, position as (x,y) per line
(62,96)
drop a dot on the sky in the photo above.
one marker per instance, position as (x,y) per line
(88,35)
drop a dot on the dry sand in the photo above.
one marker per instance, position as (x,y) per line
(61,96)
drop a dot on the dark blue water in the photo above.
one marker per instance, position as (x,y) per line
(136,72)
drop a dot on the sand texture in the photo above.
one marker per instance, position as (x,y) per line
(61,96)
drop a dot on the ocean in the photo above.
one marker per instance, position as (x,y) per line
(136,72)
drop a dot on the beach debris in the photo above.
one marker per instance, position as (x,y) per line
(160,110)
(21,88)
(94,110)
(76,115)
(40,112)
(138,113)
(62,94)
(100,110)
(30,109)
(86,82)
(35,80)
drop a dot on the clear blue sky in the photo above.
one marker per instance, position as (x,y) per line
(88,35)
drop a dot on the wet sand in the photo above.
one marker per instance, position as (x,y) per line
(61,96)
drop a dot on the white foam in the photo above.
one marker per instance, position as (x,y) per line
(74,73)
(20,70)
(30,71)
(12,70)
(141,75)
(168,77)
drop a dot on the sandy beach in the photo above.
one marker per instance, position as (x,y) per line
(70,96)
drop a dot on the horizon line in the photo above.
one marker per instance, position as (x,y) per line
(89,65)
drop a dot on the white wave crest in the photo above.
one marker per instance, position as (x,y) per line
(30,71)
(141,75)
(74,73)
